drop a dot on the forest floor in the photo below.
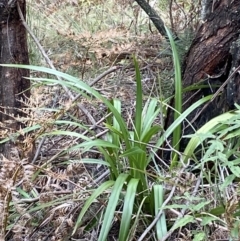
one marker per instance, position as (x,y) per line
(94,41)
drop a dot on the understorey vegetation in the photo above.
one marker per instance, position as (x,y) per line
(116,143)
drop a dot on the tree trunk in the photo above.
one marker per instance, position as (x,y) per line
(212,58)
(14,88)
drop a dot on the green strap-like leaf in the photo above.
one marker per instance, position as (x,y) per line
(177,98)
(111,207)
(161,226)
(209,126)
(180,119)
(89,201)
(138,115)
(128,209)
(132,151)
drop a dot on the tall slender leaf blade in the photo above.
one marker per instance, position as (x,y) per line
(132,151)
(150,117)
(136,221)
(138,115)
(90,200)
(128,209)
(112,204)
(78,86)
(180,119)
(151,132)
(177,97)
(161,226)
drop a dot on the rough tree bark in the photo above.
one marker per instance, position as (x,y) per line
(157,21)
(13,50)
(213,56)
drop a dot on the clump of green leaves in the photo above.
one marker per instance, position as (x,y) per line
(126,153)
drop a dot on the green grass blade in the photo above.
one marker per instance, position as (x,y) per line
(113,125)
(79,86)
(181,118)
(117,104)
(89,201)
(138,115)
(149,116)
(132,151)
(67,133)
(128,209)
(136,221)
(232,135)
(112,161)
(96,143)
(208,127)
(92,161)
(161,226)
(182,221)
(177,98)
(111,207)
(113,130)
(151,132)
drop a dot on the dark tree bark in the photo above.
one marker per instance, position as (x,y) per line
(13,50)
(212,58)
(157,21)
